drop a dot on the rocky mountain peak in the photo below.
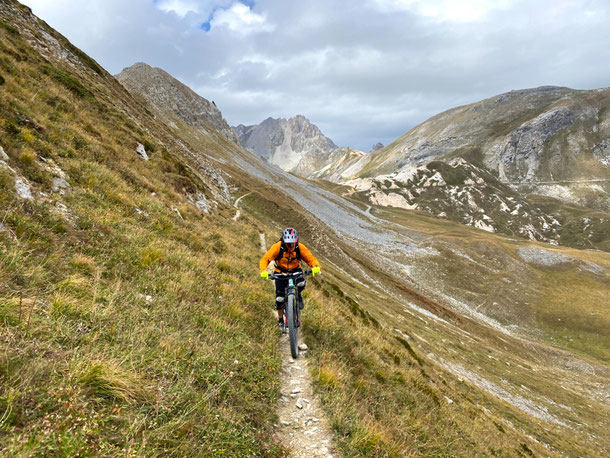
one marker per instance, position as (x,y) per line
(172,98)
(284,142)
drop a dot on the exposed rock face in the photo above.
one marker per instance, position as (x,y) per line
(471,195)
(333,166)
(376,146)
(542,134)
(284,142)
(168,95)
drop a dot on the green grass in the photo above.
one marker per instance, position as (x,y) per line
(145,333)
(71,83)
(124,333)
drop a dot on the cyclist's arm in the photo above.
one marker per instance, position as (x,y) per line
(306,255)
(269,256)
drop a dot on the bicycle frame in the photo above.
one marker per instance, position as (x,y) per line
(291,308)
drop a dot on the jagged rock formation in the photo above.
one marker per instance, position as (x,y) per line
(169,96)
(376,146)
(284,142)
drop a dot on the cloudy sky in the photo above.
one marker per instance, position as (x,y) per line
(363,71)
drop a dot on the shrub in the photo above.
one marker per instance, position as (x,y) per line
(70,83)
(328,377)
(9,27)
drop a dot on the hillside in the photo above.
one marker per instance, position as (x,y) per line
(543,134)
(171,98)
(531,163)
(133,321)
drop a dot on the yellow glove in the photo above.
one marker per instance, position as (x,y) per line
(315,270)
(264,274)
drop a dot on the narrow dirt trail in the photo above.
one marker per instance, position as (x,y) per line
(302,427)
(238,213)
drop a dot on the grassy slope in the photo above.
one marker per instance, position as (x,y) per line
(381,368)
(121,332)
(95,366)
(388,395)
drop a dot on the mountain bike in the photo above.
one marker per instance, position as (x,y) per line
(292,311)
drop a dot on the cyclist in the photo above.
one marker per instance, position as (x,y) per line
(287,254)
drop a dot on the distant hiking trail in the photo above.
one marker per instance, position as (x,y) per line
(302,425)
(238,214)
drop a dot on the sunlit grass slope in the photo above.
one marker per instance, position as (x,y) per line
(132,323)
(129,321)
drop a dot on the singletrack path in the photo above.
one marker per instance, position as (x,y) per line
(302,427)
(238,213)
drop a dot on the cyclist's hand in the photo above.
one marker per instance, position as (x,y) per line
(315,270)
(264,274)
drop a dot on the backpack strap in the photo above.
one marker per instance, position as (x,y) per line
(280,255)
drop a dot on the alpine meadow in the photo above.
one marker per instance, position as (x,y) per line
(461,310)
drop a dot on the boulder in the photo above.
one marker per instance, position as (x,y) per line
(142,152)
(23,188)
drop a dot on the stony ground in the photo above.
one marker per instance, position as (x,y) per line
(302,425)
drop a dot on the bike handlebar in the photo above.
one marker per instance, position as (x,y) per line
(303,273)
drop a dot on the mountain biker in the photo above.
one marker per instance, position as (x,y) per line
(287,254)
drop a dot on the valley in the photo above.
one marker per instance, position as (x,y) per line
(133,321)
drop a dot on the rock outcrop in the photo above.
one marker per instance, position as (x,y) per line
(284,142)
(170,97)
(542,134)
(376,146)
(333,166)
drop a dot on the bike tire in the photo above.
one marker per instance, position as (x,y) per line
(293,330)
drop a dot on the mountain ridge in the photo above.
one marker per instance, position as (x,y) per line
(284,142)
(548,141)
(134,321)
(172,97)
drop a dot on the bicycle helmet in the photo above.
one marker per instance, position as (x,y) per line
(290,235)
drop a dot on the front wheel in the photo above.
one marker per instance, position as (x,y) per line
(293,330)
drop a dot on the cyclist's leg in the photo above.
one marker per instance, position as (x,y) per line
(280,296)
(300,282)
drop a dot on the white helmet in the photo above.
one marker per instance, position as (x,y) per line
(290,235)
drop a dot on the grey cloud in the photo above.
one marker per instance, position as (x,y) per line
(361,74)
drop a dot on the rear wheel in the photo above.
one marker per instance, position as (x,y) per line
(293,330)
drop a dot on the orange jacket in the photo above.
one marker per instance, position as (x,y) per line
(289,260)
